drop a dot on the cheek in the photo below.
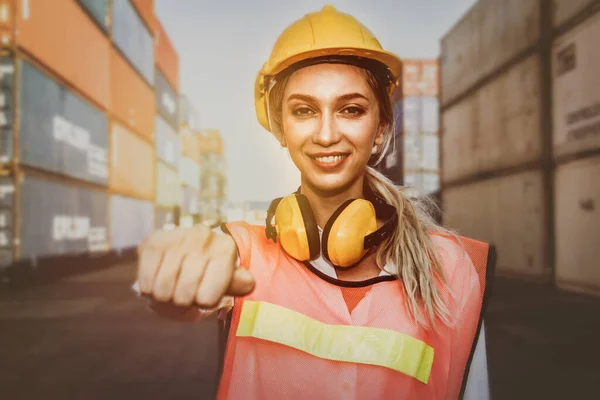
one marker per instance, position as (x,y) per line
(361,133)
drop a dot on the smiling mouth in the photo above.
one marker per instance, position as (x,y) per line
(330,159)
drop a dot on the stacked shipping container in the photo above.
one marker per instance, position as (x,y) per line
(75,107)
(421,120)
(212,180)
(520,148)
(132,111)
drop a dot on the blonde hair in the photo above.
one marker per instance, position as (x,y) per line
(410,247)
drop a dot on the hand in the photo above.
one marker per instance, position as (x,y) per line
(188,266)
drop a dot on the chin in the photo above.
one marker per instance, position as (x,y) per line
(330,185)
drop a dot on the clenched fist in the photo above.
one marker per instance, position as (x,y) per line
(191,266)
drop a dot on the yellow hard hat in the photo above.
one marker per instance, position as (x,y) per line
(321,34)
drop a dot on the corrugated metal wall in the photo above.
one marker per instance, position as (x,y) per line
(520,119)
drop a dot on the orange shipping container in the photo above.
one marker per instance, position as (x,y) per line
(411,74)
(61,36)
(420,78)
(190,145)
(166,56)
(132,164)
(430,77)
(132,100)
(146,10)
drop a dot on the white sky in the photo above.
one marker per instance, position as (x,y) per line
(223,44)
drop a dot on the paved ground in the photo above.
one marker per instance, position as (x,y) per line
(87,337)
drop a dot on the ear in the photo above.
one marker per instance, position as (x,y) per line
(282,140)
(380,136)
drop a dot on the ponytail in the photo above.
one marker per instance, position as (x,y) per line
(411,249)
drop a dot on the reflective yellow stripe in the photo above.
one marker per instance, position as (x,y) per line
(356,344)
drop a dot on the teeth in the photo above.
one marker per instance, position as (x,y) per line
(329,159)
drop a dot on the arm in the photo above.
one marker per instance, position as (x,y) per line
(477,382)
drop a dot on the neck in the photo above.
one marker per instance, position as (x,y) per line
(324,204)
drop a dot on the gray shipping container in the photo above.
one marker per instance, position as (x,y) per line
(167,102)
(98,10)
(187,113)
(168,145)
(58,131)
(55,218)
(131,220)
(7,70)
(190,200)
(133,38)
(164,218)
(421,114)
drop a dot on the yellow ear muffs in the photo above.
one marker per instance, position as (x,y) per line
(297,228)
(344,234)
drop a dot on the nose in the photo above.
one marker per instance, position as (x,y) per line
(327,132)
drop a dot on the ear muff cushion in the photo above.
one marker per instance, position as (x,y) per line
(310,224)
(344,244)
(329,224)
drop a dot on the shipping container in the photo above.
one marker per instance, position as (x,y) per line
(189,172)
(421,114)
(430,152)
(133,39)
(488,36)
(146,10)
(98,11)
(131,221)
(412,114)
(61,36)
(496,127)
(411,77)
(430,115)
(420,78)
(167,103)
(132,166)
(188,114)
(576,87)
(210,141)
(168,192)
(165,218)
(577,218)
(430,77)
(507,212)
(167,143)
(132,101)
(167,58)
(190,201)
(563,10)
(58,131)
(423,182)
(211,186)
(412,155)
(55,218)
(190,145)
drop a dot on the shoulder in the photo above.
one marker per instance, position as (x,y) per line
(250,239)
(458,267)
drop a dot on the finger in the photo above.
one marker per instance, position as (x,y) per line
(214,283)
(164,284)
(148,263)
(242,283)
(192,271)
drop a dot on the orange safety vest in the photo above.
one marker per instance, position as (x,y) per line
(293,337)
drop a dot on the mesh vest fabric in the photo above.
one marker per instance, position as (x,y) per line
(272,368)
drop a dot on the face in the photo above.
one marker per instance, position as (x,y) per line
(330,119)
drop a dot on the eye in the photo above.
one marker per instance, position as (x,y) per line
(302,112)
(353,111)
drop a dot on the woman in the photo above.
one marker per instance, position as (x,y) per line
(355,292)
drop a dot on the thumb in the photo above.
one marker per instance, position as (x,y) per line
(242,283)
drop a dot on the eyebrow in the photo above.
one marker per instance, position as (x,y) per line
(309,98)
